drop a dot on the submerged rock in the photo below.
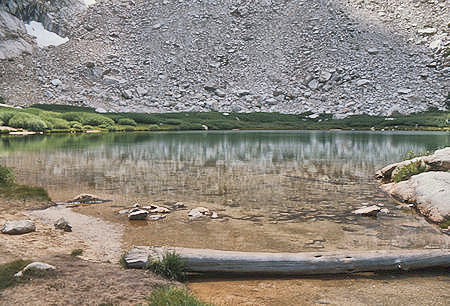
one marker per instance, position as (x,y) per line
(35,266)
(86,198)
(371,211)
(156,217)
(160,209)
(198,212)
(18,227)
(62,224)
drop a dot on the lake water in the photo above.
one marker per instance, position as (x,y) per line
(273,190)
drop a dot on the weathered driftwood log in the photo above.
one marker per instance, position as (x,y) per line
(203,260)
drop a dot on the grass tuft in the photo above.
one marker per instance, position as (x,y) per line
(7,176)
(405,172)
(172,296)
(122,261)
(8,270)
(76,252)
(171,266)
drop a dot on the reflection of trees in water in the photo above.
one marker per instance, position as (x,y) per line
(245,164)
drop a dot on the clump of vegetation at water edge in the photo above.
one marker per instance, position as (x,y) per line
(405,172)
(9,189)
(411,154)
(171,266)
(173,296)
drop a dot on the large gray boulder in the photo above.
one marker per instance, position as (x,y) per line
(18,227)
(429,192)
(438,161)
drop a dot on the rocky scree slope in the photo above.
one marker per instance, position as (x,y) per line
(343,57)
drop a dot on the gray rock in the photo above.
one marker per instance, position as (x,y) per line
(367,211)
(427,31)
(127,94)
(429,191)
(137,214)
(35,266)
(404,91)
(313,84)
(373,51)
(86,198)
(438,161)
(62,224)
(325,76)
(18,227)
(362,82)
(243,92)
(56,82)
(110,80)
(198,212)
(156,217)
(220,93)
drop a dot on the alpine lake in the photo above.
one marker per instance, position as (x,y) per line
(279,191)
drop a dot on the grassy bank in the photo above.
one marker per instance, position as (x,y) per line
(62,118)
(9,189)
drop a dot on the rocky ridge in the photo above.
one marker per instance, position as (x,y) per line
(341,57)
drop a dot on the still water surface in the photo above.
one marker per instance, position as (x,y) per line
(273,190)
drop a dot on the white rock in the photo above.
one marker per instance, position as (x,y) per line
(18,227)
(56,82)
(198,212)
(161,210)
(427,31)
(35,265)
(137,214)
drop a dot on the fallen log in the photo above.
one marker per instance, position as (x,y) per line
(214,261)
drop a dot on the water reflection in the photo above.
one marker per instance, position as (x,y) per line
(275,180)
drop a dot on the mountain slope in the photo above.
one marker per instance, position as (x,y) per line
(284,56)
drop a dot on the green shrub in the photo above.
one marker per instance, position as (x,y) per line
(172,122)
(405,172)
(6,176)
(76,252)
(8,270)
(28,122)
(24,192)
(6,115)
(445,224)
(126,121)
(56,123)
(142,118)
(129,128)
(224,124)
(170,266)
(172,296)
(122,261)
(88,118)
